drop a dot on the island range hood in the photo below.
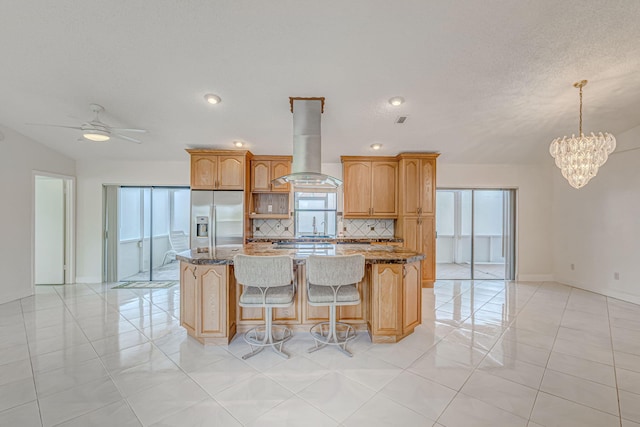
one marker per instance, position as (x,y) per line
(305,169)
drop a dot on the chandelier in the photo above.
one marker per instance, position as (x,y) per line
(580,157)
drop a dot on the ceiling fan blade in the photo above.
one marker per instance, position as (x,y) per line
(55,126)
(130,130)
(126,138)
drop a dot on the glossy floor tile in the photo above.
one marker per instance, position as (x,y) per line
(488,353)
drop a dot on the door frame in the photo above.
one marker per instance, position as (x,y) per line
(514,226)
(69,192)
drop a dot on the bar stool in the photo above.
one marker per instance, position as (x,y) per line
(331,281)
(268,282)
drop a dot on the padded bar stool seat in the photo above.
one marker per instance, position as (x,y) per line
(331,281)
(268,282)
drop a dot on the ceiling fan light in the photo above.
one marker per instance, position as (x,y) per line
(96,135)
(212,99)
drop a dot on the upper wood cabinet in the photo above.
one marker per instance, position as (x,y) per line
(370,187)
(217,170)
(266,168)
(417,184)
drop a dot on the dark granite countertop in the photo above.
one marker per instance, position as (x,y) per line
(374,254)
(340,240)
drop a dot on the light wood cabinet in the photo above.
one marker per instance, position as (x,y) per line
(417,199)
(204,311)
(217,170)
(417,183)
(395,301)
(266,168)
(370,187)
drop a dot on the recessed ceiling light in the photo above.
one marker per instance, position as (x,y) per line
(238,144)
(396,100)
(212,99)
(376,146)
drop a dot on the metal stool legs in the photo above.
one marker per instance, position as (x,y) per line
(262,336)
(331,336)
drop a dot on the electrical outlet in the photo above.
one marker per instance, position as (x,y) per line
(286,229)
(616,275)
(373,229)
(573,266)
(269,208)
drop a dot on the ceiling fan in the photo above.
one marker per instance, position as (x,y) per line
(96,130)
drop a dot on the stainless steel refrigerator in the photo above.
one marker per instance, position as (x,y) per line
(216,219)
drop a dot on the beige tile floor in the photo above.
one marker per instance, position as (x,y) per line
(488,353)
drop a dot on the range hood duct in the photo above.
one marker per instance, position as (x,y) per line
(305,169)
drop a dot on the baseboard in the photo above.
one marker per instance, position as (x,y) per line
(13,296)
(622,296)
(535,278)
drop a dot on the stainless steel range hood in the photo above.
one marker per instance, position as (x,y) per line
(305,170)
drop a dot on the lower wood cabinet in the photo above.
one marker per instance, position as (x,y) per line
(204,312)
(390,307)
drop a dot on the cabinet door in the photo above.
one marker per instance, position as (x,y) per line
(230,173)
(428,248)
(280,168)
(411,188)
(353,313)
(213,299)
(188,296)
(203,172)
(411,233)
(383,196)
(411,297)
(260,175)
(427,187)
(357,189)
(386,299)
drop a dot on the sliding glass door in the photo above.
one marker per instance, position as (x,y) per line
(475,234)
(145,228)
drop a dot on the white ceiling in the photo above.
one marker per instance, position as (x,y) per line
(484,81)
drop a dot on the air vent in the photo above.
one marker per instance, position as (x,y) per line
(401,119)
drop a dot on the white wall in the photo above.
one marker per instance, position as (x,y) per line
(533,226)
(597,228)
(19,157)
(91,176)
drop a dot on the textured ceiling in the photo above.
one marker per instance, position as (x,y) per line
(484,81)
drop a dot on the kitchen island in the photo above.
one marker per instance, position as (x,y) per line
(390,292)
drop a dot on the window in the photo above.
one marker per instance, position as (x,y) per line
(315,214)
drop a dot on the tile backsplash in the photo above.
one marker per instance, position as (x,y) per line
(354,228)
(273,228)
(368,228)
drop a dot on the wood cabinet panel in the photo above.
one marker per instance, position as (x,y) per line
(411,297)
(427,187)
(204,172)
(428,232)
(410,186)
(260,175)
(280,168)
(213,297)
(212,170)
(383,185)
(264,169)
(188,296)
(386,299)
(357,189)
(230,173)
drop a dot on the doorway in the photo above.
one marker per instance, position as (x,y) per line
(475,231)
(145,227)
(53,229)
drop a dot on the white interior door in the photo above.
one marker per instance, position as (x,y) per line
(49,254)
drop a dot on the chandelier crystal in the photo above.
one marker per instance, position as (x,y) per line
(580,157)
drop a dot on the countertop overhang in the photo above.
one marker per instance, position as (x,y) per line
(373,254)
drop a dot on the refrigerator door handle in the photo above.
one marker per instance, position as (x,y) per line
(212,229)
